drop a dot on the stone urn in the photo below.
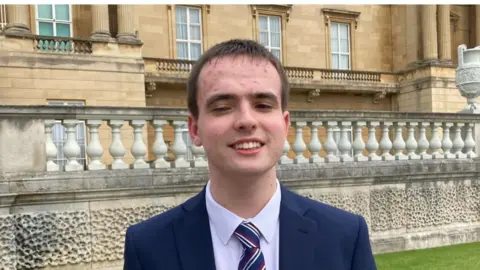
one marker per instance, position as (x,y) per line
(468,75)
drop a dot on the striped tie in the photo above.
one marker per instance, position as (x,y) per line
(252,257)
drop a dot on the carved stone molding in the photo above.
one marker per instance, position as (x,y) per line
(340,15)
(150,88)
(312,94)
(279,9)
(378,96)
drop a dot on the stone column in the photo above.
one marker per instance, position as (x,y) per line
(444,33)
(18,17)
(126,23)
(412,33)
(477,25)
(101,29)
(429,32)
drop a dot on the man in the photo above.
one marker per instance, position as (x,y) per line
(243,218)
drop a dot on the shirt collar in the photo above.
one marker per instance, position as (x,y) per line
(226,222)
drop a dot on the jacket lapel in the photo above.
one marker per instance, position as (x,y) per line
(193,237)
(298,235)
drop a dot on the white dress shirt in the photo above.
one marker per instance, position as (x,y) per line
(227,248)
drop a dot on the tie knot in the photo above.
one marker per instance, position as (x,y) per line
(248,234)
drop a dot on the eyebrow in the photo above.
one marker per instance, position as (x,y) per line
(258,95)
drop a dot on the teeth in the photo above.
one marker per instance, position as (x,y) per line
(247,145)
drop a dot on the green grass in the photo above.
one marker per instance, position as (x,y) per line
(457,257)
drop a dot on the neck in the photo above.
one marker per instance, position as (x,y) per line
(244,195)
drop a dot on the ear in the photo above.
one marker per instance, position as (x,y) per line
(193,130)
(286,118)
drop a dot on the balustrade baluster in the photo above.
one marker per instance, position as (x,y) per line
(411,143)
(372,143)
(358,144)
(469,141)
(399,143)
(447,143)
(199,154)
(159,147)
(385,142)
(330,145)
(50,147)
(284,159)
(435,143)
(71,149)
(423,143)
(315,145)
(458,143)
(94,148)
(299,145)
(179,146)
(139,149)
(117,150)
(344,145)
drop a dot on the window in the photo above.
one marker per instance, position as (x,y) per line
(59,135)
(54,20)
(188,32)
(3,17)
(340,45)
(270,34)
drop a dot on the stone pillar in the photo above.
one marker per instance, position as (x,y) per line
(445,49)
(18,17)
(412,33)
(477,25)
(126,23)
(429,32)
(101,29)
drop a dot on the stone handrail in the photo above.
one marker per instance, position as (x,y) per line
(184,66)
(316,137)
(62,44)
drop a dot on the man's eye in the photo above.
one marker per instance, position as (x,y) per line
(264,106)
(220,109)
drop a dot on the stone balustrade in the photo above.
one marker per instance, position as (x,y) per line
(62,45)
(316,137)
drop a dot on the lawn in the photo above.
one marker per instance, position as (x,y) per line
(457,257)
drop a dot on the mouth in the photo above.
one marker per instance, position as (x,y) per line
(247,145)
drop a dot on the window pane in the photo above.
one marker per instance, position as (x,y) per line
(334,30)
(45,29)
(63,30)
(181,14)
(45,11)
(275,24)
(334,45)
(276,52)
(344,31)
(344,45)
(263,23)
(62,12)
(194,15)
(182,50)
(264,38)
(195,51)
(335,61)
(275,40)
(344,62)
(195,32)
(182,31)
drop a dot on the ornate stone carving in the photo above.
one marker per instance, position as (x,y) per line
(109,227)
(387,208)
(379,96)
(468,75)
(52,239)
(7,243)
(341,15)
(311,94)
(151,87)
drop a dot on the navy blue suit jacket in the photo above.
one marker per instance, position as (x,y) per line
(313,235)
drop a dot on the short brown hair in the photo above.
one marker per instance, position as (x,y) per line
(233,47)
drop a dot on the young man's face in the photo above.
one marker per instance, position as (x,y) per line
(240,122)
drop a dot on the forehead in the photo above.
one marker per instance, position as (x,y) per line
(238,74)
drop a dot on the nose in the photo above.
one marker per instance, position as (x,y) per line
(245,119)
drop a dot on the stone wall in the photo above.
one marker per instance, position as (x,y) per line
(78,220)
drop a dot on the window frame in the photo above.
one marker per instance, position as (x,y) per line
(53,20)
(269,31)
(188,40)
(339,53)
(282,11)
(172,26)
(340,16)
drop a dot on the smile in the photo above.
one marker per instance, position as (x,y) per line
(247,145)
